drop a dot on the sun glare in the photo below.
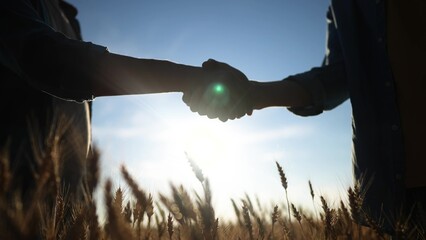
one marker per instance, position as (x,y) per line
(211,144)
(205,145)
(216,148)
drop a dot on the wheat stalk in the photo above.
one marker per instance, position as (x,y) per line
(247,221)
(170,226)
(116,227)
(285,185)
(298,217)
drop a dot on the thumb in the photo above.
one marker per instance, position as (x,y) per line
(212,64)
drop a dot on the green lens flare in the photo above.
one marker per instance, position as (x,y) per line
(217,96)
(218,88)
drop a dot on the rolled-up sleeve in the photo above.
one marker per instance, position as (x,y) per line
(327,84)
(47,59)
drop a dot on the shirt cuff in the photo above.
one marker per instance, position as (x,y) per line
(314,87)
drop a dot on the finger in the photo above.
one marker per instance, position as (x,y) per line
(213,111)
(240,115)
(186,97)
(243,104)
(212,64)
(212,115)
(195,101)
(223,119)
(238,108)
(203,103)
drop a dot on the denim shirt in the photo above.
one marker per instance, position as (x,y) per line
(51,71)
(44,57)
(356,67)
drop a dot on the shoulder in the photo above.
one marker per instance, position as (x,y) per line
(69,9)
(71,12)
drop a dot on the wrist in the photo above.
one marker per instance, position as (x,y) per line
(259,95)
(278,94)
(187,76)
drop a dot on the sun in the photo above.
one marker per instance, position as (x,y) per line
(205,143)
(216,147)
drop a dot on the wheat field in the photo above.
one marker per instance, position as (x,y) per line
(49,213)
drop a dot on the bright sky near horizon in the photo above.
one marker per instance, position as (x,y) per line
(267,40)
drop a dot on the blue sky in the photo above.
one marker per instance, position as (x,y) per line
(267,40)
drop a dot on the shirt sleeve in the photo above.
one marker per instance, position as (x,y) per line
(46,59)
(327,83)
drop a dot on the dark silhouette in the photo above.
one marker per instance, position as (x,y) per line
(49,77)
(376,58)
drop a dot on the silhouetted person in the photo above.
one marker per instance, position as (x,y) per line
(48,78)
(376,58)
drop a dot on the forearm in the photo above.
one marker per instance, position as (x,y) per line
(76,70)
(279,94)
(80,71)
(123,75)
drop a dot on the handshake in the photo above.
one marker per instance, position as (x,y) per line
(224,92)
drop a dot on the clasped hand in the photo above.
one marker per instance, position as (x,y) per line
(224,93)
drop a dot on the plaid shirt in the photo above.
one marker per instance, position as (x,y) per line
(357,67)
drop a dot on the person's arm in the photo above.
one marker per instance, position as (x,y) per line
(279,94)
(122,75)
(78,70)
(305,94)
(326,86)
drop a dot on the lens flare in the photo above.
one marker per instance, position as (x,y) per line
(219,88)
